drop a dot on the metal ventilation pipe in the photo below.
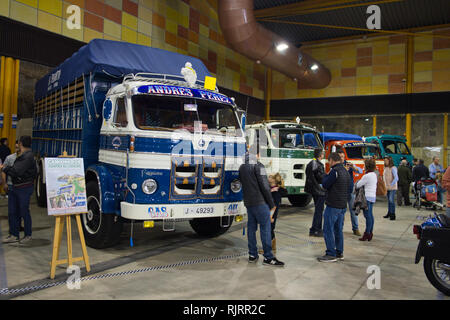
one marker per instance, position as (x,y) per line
(248,37)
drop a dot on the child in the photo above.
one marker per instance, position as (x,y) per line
(275,182)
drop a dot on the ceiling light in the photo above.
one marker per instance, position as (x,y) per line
(314,67)
(282,46)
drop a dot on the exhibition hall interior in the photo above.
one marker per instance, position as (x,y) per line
(203,153)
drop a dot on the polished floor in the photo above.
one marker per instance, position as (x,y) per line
(180,265)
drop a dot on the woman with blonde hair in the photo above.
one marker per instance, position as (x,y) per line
(276,183)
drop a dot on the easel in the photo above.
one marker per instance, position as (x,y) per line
(59,228)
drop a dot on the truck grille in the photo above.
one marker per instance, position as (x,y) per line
(197,177)
(299,171)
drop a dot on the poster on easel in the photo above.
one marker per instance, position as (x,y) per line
(66,186)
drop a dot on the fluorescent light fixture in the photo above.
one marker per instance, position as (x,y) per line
(282,46)
(314,67)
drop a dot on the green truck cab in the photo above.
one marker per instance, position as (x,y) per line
(393,146)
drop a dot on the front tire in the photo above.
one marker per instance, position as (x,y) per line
(300,200)
(438,273)
(210,227)
(40,189)
(100,230)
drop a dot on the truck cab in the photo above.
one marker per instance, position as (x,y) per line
(157,144)
(356,150)
(286,147)
(393,146)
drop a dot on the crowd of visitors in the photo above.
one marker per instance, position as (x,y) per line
(333,193)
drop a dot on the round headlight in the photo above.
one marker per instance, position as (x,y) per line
(149,186)
(236,186)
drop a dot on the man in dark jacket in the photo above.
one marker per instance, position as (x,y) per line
(314,174)
(260,206)
(420,171)
(404,180)
(337,183)
(22,173)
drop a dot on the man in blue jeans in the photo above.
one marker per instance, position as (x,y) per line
(337,183)
(260,206)
(22,173)
(351,168)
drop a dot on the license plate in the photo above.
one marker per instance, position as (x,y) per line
(199,210)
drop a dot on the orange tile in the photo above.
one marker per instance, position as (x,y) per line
(364,52)
(364,61)
(193,37)
(397,68)
(348,72)
(113,14)
(422,87)
(440,43)
(380,60)
(95,6)
(441,75)
(441,65)
(423,56)
(398,39)
(441,86)
(397,88)
(171,39)
(130,7)
(94,22)
(396,78)
(182,43)
(158,20)
(380,69)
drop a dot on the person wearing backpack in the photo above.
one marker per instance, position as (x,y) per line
(369,181)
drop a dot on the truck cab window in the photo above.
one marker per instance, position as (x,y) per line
(120,119)
(389,147)
(402,148)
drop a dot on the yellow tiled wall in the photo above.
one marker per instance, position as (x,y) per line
(375,66)
(185,26)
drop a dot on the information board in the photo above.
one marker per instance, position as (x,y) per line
(66,186)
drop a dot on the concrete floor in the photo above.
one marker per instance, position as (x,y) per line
(130,273)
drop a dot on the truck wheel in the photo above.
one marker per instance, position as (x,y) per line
(40,190)
(438,273)
(300,200)
(210,227)
(100,230)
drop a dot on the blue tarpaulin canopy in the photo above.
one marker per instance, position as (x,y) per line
(118,59)
(328,136)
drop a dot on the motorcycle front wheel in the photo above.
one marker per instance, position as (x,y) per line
(438,273)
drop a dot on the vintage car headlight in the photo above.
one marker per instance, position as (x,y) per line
(149,186)
(236,186)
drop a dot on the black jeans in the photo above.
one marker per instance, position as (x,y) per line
(319,203)
(272,224)
(403,194)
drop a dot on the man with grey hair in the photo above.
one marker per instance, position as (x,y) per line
(436,172)
(404,181)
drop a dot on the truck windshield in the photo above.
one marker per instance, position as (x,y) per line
(171,113)
(395,147)
(363,152)
(294,138)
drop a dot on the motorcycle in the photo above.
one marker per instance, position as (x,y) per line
(434,246)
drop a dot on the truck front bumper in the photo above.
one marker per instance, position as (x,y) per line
(180,211)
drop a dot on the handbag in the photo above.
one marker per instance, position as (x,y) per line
(381,186)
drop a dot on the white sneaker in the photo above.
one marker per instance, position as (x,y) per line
(25,240)
(10,239)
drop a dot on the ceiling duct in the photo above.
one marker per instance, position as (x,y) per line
(248,37)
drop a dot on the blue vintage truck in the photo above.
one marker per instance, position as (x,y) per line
(157,145)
